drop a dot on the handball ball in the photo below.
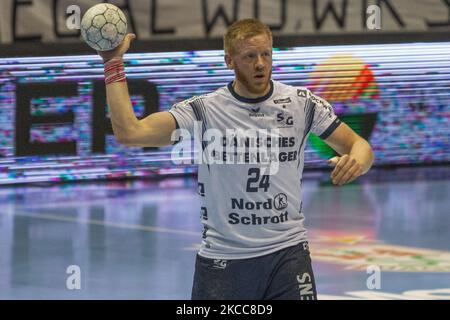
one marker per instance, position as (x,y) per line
(103,27)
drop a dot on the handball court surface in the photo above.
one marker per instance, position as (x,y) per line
(137,239)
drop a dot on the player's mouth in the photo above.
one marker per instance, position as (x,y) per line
(259,76)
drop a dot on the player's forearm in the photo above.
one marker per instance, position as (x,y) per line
(123,118)
(362,152)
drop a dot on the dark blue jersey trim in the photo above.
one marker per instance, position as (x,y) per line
(250,100)
(330,129)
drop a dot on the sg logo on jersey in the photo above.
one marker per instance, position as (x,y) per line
(285,119)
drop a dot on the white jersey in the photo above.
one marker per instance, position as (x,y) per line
(245,213)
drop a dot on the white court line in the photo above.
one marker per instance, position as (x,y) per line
(48,216)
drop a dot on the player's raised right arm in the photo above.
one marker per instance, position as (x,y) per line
(153,131)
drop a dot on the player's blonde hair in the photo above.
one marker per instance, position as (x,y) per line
(241,30)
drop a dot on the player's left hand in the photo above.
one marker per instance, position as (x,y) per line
(346,169)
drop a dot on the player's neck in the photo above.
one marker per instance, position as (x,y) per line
(242,91)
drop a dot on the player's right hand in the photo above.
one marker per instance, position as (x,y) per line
(120,50)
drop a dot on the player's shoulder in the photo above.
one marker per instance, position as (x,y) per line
(302,94)
(202,98)
(281,88)
(213,95)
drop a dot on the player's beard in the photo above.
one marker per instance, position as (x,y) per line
(249,82)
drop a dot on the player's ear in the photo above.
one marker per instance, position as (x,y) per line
(229,61)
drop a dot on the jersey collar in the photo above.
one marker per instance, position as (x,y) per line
(250,100)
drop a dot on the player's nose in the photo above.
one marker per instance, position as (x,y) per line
(259,64)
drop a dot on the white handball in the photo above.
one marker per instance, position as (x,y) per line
(103,27)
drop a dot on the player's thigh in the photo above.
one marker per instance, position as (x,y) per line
(293,278)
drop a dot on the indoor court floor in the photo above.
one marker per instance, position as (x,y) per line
(137,239)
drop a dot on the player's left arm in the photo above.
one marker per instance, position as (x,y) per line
(356,155)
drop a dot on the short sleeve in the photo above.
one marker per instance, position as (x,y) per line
(324,121)
(184,115)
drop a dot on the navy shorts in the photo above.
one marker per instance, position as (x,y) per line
(286,274)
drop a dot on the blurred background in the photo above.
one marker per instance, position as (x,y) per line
(128,217)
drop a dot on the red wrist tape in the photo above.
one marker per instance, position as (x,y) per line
(114,71)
